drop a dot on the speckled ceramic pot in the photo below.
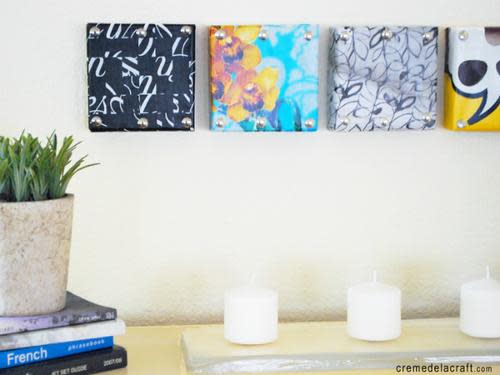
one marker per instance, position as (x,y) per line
(35,241)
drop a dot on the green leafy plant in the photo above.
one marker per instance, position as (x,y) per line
(33,171)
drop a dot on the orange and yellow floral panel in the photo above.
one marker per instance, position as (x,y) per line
(264,77)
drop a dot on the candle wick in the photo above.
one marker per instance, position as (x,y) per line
(375,276)
(488,272)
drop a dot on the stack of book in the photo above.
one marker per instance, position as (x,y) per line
(75,340)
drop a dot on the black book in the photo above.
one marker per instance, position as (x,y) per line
(80,364)
(76,311)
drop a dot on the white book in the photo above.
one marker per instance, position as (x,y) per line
(63,334)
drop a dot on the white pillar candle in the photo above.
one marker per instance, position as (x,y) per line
(251,315)
(374,311)
(480,307)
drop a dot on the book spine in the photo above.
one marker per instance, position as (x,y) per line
(10,326)
(86,364)
(102,315)
(24,356)
(58,335)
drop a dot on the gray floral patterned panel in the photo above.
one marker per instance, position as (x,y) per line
(382,78)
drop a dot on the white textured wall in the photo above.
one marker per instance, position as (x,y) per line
(169,220)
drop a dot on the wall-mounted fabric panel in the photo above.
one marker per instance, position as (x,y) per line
(264,77)
(472,78)
(140,76)
(382,78)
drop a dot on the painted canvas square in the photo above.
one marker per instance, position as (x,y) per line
(382,78)
(472,79)
(140,77)
(264,77)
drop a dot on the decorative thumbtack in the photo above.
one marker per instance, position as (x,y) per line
(142,33)
(96,121)
(186,30)
(427,118)
(260,122)
(461,124)
(387,34)
(463,35)
(143,123)
(345,35)
(384,122)
(219,123)
(220,34)
(308,35)
(344,122)
(263,35)
(428,36)
(309,123)
(187,122)
(95,31)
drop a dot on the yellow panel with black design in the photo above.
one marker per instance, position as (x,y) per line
(472,79)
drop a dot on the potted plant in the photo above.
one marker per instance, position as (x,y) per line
(36,217)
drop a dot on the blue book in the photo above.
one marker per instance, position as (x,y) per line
(24,356)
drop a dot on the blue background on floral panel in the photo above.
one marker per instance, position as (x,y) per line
(264,77)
